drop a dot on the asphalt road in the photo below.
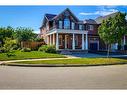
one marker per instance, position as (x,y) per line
(98,77)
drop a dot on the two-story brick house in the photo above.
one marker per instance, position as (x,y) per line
(67,32)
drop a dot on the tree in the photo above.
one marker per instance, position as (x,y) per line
(24,34)
(9,46)
(113,29)
(6,32)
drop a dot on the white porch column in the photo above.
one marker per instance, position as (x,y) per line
(53,39)
(73,42)
(124,40)
(82,41)
(86,41)
(50,39)
(57,41)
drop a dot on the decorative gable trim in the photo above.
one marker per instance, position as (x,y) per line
(67,9)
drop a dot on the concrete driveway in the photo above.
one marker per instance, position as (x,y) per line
(98,77)
(93,55)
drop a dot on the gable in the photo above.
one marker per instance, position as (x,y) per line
(66,13)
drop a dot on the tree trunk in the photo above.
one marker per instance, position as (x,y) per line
(108,51)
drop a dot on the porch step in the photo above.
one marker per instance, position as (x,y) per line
(66,52)
(69,52)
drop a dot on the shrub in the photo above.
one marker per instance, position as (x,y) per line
(39,39)
(25,50)
(47,49)
(2,50)
(10,53)
(9,45)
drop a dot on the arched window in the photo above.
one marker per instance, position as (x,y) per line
(66,23)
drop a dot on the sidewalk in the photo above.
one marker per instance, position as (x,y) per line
(68,57)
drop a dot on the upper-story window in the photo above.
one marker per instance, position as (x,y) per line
(90,27)
(60,24)
(80,27)
(72,25)
(66,23)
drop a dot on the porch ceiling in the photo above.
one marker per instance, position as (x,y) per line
(66,31)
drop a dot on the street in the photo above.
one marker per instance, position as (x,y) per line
(95,77)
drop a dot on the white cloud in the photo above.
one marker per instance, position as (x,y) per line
(101,12)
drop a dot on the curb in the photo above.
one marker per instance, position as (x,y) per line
(58,65)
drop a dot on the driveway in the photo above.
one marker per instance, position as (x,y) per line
(93,55)
(98,77)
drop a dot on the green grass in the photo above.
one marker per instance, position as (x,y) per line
(91,61)
(28,55)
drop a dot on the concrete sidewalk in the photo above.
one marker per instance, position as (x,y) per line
(68,57)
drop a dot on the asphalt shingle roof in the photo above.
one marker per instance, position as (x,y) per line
(101,18)
(90,21)
(50,16)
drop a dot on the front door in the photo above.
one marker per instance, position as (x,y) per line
(66,41)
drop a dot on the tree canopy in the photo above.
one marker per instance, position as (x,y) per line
(6,32)
(24,34)
(113,29)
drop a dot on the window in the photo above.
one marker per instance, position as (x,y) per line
(66,23)
(60,24)
(90,27)
(76,40)
(60,40)
(80,27)
(73,25)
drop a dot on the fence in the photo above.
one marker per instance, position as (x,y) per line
(32,45)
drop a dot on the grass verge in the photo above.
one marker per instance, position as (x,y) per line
(79,61)
(18,55)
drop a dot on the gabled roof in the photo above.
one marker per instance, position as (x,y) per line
(89,21)
(67,9)
(101,18)
(50,16)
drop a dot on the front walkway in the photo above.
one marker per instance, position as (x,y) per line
(68,57)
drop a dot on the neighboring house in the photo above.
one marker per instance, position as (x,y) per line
(124,38)
(67,32)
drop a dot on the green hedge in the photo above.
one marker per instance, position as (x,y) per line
(47,49)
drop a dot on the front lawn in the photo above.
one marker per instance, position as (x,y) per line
(87,61)
(29,55)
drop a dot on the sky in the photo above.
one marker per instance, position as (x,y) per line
(32,16)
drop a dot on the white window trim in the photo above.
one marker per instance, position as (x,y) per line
(91,27)
(80,27)
(61,24)
(72,25)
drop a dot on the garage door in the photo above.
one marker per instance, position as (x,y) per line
(93,46)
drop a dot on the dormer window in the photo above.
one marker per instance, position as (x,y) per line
(72,25)
(66,23)
(60,24)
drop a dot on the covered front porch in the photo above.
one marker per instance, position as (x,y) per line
(68,39)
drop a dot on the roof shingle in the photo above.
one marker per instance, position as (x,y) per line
(50,16)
